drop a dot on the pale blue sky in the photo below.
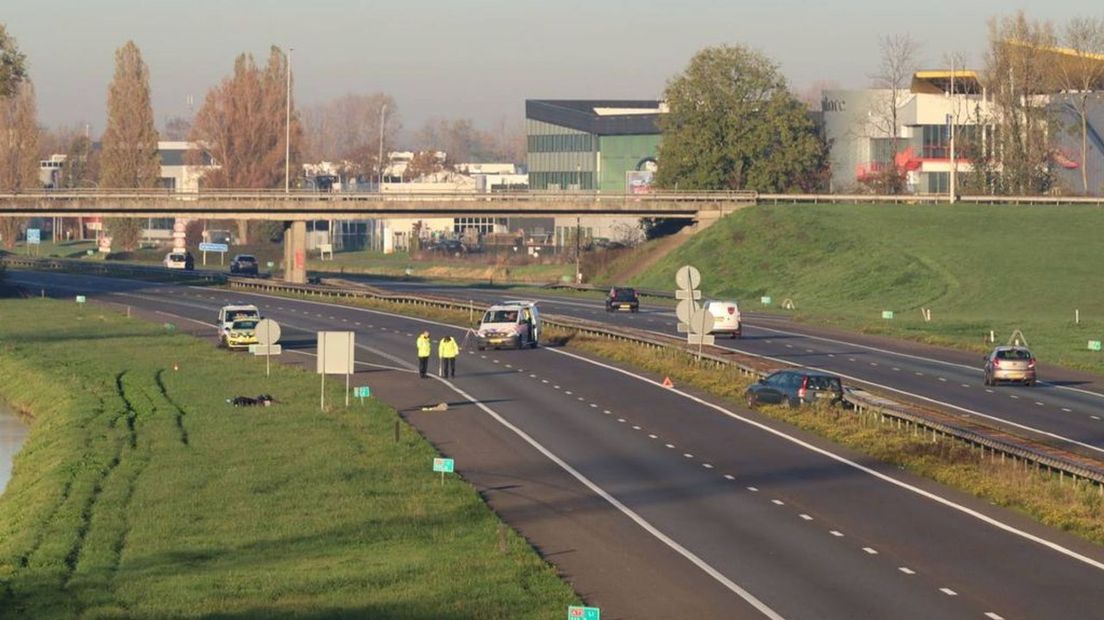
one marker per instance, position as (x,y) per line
(472,58)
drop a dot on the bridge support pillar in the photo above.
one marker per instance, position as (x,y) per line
(295,252)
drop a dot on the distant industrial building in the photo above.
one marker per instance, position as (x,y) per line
(590,145)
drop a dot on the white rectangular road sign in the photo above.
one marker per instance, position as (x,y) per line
(684,294)
(335,353)
(260,349)
(697,339)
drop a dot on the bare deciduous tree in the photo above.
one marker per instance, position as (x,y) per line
(899,57)
(1018,70)
(347,130)
(1081,74)
(177,128)
(18,150)
(242,125)
(463,142)
(423,163)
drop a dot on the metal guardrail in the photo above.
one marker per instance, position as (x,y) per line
(571,196)
(106,268)
(985,439)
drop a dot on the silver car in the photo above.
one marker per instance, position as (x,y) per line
(1010,363)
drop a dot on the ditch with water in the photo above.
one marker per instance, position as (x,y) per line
(13,431)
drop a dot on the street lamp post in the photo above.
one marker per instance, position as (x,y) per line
(383,119)
(287,127)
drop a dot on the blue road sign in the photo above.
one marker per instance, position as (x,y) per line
(214,247)
(34,235)
(445,466)
(362,391)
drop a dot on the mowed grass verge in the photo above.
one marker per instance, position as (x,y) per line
(978,268)
(141,493)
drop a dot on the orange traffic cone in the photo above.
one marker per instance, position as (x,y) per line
(667,382)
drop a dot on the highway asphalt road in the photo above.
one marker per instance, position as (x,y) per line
(1066,409)
(659,502)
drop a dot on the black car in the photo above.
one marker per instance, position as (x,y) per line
(794,387)
(622,298)
(244,264)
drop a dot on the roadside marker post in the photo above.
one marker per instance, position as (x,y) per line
(578,612)
(362,392)
(445,466)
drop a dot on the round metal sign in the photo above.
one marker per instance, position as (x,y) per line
(268,332)
(688,277)
(702,322)
(685,310)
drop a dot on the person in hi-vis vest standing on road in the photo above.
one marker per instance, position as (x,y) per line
(425,347)
(448,350)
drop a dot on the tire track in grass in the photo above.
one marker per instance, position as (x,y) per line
(159,378)
(85,520)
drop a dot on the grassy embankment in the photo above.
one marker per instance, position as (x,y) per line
(978,268)
(142,493)
(1077,508)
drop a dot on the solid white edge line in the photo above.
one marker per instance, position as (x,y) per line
(867,470)
(888,479)
(636,518)
(767,357)
(628,512)
(929,400)
(911,356)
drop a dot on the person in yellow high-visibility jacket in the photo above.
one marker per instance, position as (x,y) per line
(448,350)
(425,347)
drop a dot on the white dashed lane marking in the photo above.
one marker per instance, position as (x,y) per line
(870,550)
(993,616)
(636,428)
(948,591)
(621,420)
(707,466)
(753,489)
(835,533)
(805,517)
(653,437)
(687,455)
(906,570)
(729,477)
(670,446)
(778,502)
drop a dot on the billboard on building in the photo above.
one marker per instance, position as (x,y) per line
(639,181)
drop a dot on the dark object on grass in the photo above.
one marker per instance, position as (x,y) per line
(262,400)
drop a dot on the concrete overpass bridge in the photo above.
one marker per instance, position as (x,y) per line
(297,207)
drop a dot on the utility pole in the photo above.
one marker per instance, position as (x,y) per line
(578,258)
(954,119)
(383,119)
(287,127)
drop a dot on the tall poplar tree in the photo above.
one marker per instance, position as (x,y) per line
(19,130)
(129,158)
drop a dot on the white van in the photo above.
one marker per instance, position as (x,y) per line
(234,312)
(726,317)
(513,324)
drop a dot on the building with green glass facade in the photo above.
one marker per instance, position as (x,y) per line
(590,144)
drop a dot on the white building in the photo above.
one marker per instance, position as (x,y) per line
(183,164)
(858,125)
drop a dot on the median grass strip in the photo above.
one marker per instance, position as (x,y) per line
(1077,508)
(142,493)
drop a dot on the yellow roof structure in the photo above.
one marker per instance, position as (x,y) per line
(938,82)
